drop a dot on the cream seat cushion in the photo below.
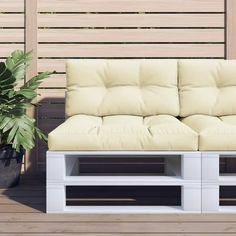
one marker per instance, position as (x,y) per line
(207,87)
(215,133)
(123,132)
(122,87)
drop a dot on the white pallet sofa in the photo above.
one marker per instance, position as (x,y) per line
(180,110)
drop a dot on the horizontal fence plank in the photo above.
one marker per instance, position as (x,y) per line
(130,35)
(131,20)
(59,65)
(12,6)
(12,35)
(51,95)
(55,81)
(11,20)
(131,6)
(6,49)
(131,50)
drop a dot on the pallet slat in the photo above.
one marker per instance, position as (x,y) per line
(131,20)
(131,6)
(131,50)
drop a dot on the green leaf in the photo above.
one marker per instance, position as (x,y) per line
(16,127)
(28,93)
(41,135)
(18,62)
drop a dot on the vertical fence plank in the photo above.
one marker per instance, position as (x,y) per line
(31,45)
(231,29)
(231,53)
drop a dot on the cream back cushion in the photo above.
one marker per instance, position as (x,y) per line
(119,87)
(207,87)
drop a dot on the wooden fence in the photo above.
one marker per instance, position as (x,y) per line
(59,29)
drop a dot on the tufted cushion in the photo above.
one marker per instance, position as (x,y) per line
(123,132)
(215,133)
(119,87)
(207,87)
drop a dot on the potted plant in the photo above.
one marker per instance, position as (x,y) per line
(17,129)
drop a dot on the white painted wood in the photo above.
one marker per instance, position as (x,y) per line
(191,198)
(210,167)
(210,198)
(128,181)
(190,181)
(227,209)
(227,180)
(212,180)
(121,153)
(191,166)
(55,166)
(223,153)
(56,198)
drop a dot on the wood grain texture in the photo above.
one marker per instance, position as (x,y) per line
(131,20)
(129,35)
(55,81)
(110,234)
(12,20)
(12,6)
(48,95)
(231,29)
(175,218)
(22,213)
(186,36)
(12,35)
(131,50)
(59,65)
(31,45)
(131,6)
(126,227)
(6,49)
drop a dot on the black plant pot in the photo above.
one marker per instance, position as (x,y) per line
(10,166)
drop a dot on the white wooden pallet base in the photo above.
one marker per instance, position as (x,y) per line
(185,171)
(212,180)
(197,173)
